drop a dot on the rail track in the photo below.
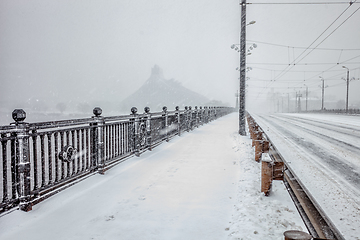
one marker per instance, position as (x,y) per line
(315,217)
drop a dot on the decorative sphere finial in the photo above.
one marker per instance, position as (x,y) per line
(97,111)
(19,115)
(147,109)
(133,110)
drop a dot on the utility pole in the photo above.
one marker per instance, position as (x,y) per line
(322,94)
(347,89)
(307,94)
(288,103)
(242,68)
(298,99)
(347,92)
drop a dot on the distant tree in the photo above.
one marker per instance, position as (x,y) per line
(340,104)
(216,103)
(84,107)
(61,107)
(357,105)
(39,106)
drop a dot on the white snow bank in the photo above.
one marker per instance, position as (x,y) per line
(256,216)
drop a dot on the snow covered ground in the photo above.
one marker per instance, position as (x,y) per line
(323,151)
(202,185)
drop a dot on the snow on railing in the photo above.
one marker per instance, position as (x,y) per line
(38,160)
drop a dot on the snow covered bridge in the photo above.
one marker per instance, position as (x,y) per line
(201,185)
(41,159)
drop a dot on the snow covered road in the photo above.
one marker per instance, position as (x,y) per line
(324,152)
(202,185)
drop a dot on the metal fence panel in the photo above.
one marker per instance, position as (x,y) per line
(39,159)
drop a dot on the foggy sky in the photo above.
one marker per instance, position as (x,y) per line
(62,51)
(100,52)
(299,26)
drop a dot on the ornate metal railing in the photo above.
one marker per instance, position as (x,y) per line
(38,160)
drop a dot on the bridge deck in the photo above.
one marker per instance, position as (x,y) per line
(201,185)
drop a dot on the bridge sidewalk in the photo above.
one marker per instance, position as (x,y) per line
(201,185)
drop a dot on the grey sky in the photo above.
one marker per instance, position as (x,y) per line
(88,50)
(299,26)
(92,51)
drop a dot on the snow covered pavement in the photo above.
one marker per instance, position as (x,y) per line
(201,185)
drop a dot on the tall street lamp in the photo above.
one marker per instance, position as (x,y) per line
(322,93)
(347,89)
(243,25)
(306,99)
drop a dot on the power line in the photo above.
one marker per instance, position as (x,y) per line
(328,49)
(346,61)
(298,83)
(284,71)
(300,64)
(301,3)
(295,62)
(303,71)
(331,33)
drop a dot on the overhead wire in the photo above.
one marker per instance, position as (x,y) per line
(291,66)
(331,33)
(267,69)
(299,3)
(327,70)
(327,49)
(299,64)
(293,63)
(337,64)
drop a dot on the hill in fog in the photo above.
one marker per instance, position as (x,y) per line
(157,92)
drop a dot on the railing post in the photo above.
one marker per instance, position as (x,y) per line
(190,119)
(203,115)
(266,176)
(166,122)
(186,113)
(200,116)
(196,117)
(210,115)
(22,156)
(177,113)
(206,119)
(97,141)
(258,146)
(148,128)
(135,133)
